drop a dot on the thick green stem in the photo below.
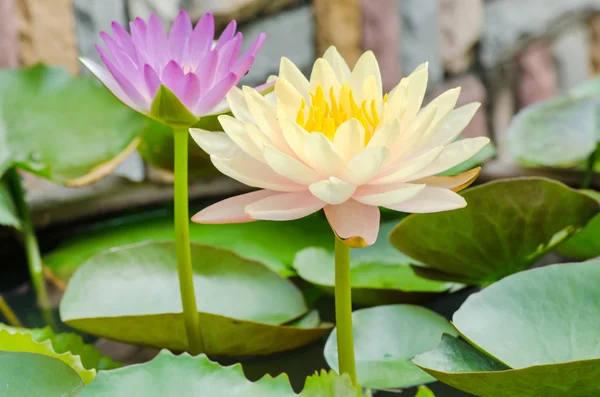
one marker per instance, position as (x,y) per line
(182,244)
(8,314)
(588,176)
(32,248)
(343,310)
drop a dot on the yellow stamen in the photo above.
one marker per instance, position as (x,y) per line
(326,114)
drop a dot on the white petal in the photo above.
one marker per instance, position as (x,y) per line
(214,143)
(403,171)
(289,99)
(322,156)
(415,92)
(237,104)
(454,182)
(324,76)
(349,138)
(385,195)
(289,167)
(231,210)
(453,154)
(265,116)
(337,62)
(410,136)
(431,199)
(366,66)
(355,223)
(444,105)
(453,125)
(369,92)
(285,207)
(333,190)
(387,135)
(289,72)
(253,173)
(366,165)
(236,131)
(295,137)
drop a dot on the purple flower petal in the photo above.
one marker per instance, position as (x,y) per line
(172,77)
(215,95)
(206,69)
(138,36)
(226,35)
(256,44)
(125,84)
(202,38)
(180,31)
(227,55)
(191,90)
(156,40)
(151,79)
(242,65)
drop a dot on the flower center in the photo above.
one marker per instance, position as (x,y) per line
(326,116)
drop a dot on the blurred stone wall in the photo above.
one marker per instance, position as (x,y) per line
(505,53)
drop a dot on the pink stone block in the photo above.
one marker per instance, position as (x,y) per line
(381,34)
(460,23)
(537,76)
(9,39)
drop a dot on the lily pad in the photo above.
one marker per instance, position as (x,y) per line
(254,240)
(65,129)
(386,338)
(184,376)
(559,133)
(91,358)
(30,374)
(24,343)
(380,274)
(585,244)
(538,330)
(424,392)
(330,384)
(131,294)
(506,227)
(8,212)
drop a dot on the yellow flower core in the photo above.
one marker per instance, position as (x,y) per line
(326,116)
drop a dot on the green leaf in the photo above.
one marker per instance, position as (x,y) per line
(330,384)
(560,132)
(168,109)
(157,148)
(505,228)
(131,295)
(462,366)
(184,376)
(66,129)
(542,316)
(91,358)
(8,212)
(251,240)
(424,392)
(584,244)
(379,273)
(24,342)
(29,374)
(386,338)
(486,153)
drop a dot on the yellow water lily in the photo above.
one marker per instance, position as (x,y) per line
(336,142)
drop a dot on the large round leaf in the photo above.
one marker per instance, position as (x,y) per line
(30,374)
(184,376)
(386,338)
(261,241)
(542,324)
(91,358)
(66,129)
(505,228)
(23,342)
(560,132)
(462,366)
(380,274)
(585,244)
(132,295)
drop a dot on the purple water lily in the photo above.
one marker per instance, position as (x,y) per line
(198,70)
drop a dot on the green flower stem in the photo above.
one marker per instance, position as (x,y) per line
(343,310)
(8,314)
(588,176)
(32,249)
(182,244)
